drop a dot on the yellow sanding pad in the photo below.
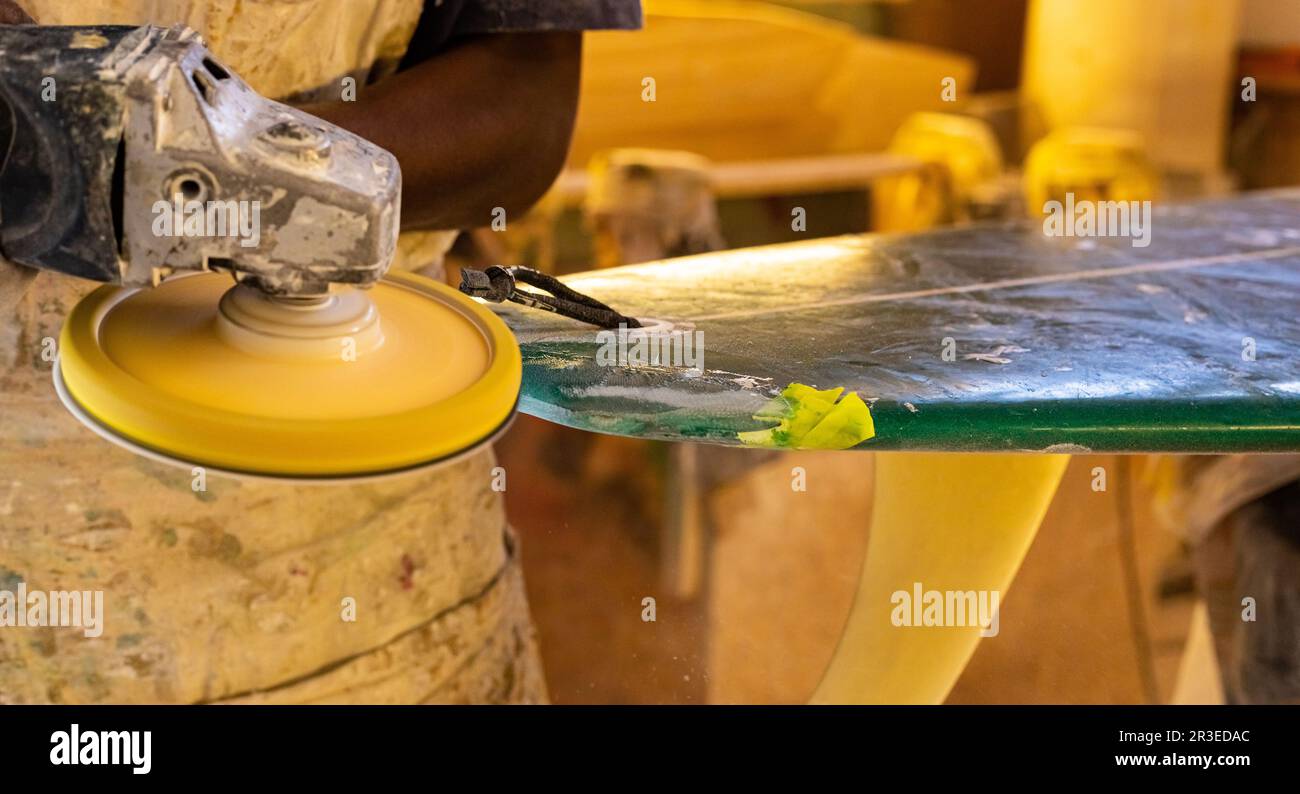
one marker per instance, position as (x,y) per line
(402,375)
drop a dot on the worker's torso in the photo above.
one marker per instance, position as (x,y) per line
(76,510)
(282,48)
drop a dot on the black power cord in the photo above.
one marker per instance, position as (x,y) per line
(499,284)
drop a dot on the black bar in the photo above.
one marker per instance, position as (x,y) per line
(864,747)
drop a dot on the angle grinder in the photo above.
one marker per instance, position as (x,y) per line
(248,322)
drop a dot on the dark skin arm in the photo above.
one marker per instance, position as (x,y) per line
(12,14)
(485,124)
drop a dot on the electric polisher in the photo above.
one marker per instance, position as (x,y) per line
(248,323)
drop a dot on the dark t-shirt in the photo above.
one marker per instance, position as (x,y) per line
(444,20)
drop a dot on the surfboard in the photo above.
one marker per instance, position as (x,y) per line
(987,337)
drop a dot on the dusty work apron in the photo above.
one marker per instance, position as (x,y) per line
(407,590)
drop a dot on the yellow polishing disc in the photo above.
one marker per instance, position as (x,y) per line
(357,383)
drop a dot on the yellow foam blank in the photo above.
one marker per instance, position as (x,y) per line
(956,522)
(753,81)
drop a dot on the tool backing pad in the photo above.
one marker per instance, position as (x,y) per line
(405,374)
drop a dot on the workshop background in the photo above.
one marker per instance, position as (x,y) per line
(710,129)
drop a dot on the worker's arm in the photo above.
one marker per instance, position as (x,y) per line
(485,124)
(12,14)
